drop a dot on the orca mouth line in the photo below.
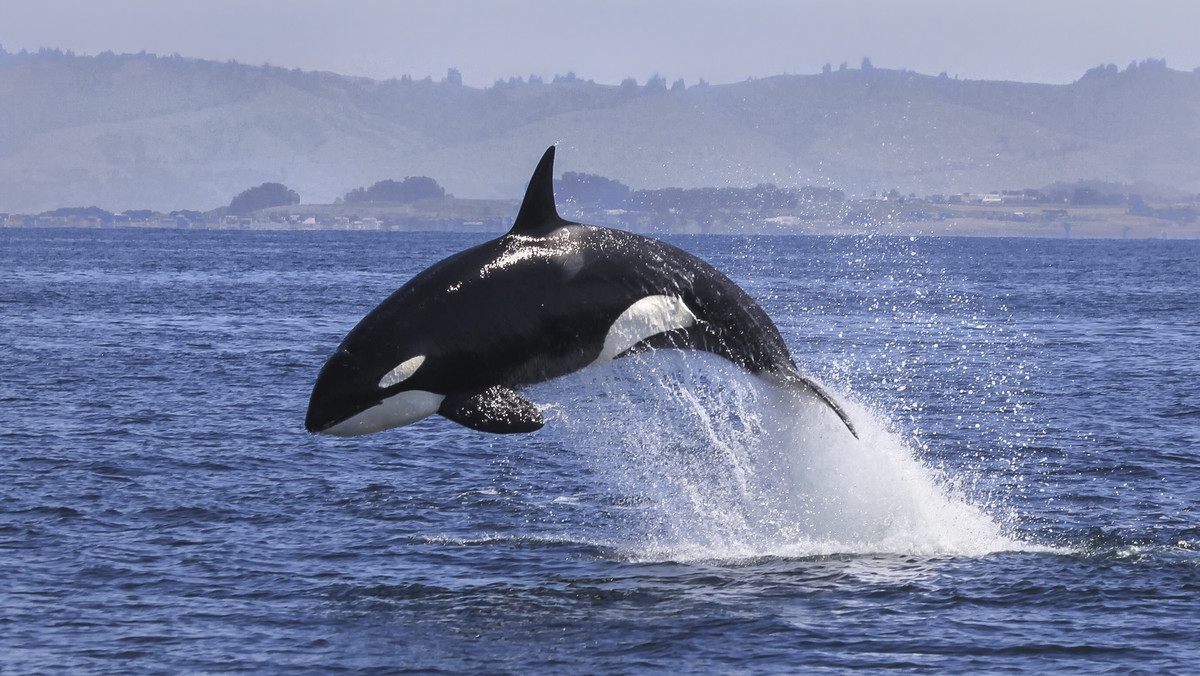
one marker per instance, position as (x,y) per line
(314,427)
(323,415)
(317,429)
(397,410)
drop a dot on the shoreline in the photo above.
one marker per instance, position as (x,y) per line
(910,217)
(965,228)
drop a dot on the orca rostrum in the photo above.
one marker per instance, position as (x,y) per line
(548,298)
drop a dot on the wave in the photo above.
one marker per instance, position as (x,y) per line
(705,462)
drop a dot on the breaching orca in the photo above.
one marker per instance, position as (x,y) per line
(547,299)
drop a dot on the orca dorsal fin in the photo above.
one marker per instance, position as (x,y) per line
(539,214)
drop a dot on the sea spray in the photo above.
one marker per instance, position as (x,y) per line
(712,463)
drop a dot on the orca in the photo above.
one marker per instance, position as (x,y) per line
(547,299)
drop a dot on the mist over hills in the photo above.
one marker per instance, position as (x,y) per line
(139,131)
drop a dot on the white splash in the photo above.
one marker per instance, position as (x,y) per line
(712,464)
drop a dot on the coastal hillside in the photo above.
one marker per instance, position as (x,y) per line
(139,131)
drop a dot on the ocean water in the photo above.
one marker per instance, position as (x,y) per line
(1023,499)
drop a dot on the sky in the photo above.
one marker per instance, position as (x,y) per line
(1052,41)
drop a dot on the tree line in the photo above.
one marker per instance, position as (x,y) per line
(267,195)
(596,191)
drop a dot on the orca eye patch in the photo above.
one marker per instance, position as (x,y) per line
(402,372)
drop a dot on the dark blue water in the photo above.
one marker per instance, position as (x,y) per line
(1024,497)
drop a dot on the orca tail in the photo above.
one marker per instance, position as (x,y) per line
(799,383)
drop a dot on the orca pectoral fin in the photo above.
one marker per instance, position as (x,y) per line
(497,410)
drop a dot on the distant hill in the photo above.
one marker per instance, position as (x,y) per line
(139,131)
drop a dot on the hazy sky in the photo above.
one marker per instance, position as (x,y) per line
(609,40)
